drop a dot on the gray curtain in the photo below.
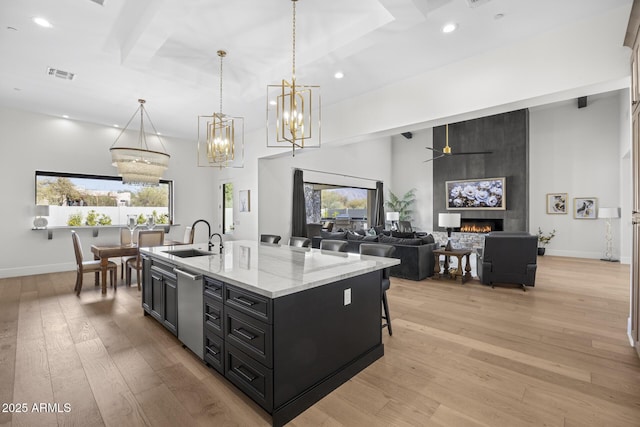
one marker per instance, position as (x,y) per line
(378,213)
(299,212)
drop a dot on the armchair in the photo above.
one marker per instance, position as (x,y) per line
(508,257)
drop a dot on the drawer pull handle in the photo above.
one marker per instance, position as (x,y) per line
(244,301)
(212,289)
(244,334)
(211,316)
(212,351)
(246,376)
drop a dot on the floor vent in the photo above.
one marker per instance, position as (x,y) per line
(65,75)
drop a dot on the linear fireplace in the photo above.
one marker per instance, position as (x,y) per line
(480,225)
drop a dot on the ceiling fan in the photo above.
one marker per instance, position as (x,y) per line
(446,151)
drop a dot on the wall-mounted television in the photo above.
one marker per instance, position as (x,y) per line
(83,199)
(474,194)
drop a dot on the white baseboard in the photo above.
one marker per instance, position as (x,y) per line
(629,332)
(36,269)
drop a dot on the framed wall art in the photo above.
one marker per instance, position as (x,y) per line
(244,201)
(476,194)
(557,203)
(585,207)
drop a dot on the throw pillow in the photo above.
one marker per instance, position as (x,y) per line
(370,238)
(354,236)
(428,239)
(406,235)
(339,235)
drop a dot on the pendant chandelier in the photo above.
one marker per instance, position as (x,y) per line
(140,165)
(220,141)
(293,110)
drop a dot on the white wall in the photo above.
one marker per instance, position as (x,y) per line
(31,142)
(409,170)
(576,151)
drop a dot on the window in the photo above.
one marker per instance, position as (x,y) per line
(227,208)
(325,201)
(92,200)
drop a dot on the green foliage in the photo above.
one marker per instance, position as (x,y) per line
(160,219)
(141,219)
(402,204)
(543,238)
(104,219)
(75,220)
(150,196)
(57,192)
(92,218)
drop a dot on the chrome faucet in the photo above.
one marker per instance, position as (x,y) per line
(211,244)
(193,229)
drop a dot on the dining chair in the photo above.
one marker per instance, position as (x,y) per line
(334,245)
(188,235)
(125,239)
(269,238)
(383,251)
(146,238)
(88,266)
(300,242)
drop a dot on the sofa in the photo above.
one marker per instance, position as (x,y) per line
(508,257)
(415,253)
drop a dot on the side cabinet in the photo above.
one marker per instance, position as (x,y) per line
(159,293)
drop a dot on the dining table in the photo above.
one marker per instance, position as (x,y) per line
(104,252)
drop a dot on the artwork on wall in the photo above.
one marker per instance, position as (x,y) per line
(472,194)
(244,201)
(557,203)
(584,207)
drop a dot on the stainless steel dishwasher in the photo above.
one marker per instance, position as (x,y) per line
(190,323)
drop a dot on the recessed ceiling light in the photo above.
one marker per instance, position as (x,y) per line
(272,102)
(498,16)
(64,116)
(116,126)
(42,22)
(449,28)
(339,75)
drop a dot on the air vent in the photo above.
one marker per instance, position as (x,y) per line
(100,2)
(476,3)
(65,75)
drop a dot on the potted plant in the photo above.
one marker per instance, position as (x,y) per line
(403,204)
(544,239)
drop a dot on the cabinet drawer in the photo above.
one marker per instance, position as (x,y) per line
(250,335)
(213,317)
(247,302)
(214,351)
(249,376)
(213,288)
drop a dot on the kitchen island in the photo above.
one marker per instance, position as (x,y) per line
(285,325)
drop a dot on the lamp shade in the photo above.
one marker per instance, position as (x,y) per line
(42,210)
(449,220)
(609,213)
(393,216)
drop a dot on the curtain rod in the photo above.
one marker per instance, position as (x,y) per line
(337,174)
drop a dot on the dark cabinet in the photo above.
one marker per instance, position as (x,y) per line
(160,293)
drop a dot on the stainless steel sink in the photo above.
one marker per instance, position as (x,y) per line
(189,253)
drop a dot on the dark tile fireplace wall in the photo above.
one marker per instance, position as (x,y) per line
(507,137)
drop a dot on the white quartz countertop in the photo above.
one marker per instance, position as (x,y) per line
(272,270)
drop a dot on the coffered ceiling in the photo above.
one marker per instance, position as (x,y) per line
(165,50)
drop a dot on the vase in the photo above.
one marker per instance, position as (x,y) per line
(541,251)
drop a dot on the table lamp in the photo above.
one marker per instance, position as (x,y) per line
(449,221)
(393,217)
(608,214)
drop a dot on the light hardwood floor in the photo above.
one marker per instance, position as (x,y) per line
(461,355)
